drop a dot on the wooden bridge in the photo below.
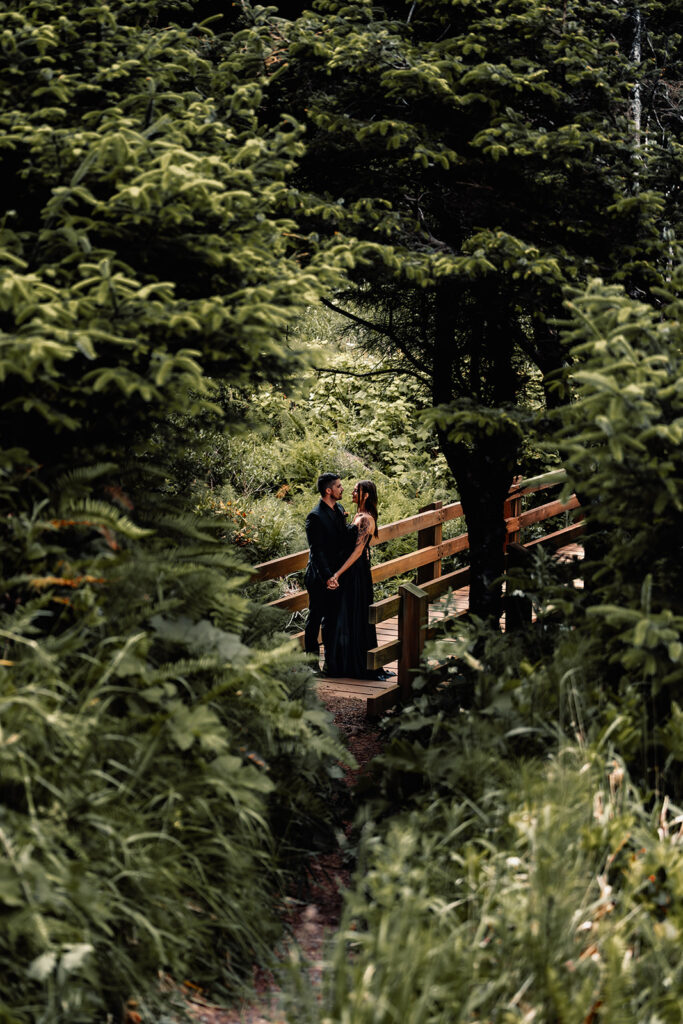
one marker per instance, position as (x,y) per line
(406,620)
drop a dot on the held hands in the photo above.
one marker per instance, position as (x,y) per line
(333,583)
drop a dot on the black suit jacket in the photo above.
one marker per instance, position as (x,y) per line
(326,535)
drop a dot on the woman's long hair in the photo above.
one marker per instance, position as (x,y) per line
(367,488)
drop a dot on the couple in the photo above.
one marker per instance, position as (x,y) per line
(338,578)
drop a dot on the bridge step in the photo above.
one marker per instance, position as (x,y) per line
(378,696)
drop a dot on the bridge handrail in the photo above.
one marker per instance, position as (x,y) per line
(277,568)
(411,603)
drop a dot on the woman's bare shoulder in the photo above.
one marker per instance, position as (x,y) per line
(364,521)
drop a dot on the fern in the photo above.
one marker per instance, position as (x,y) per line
(88,512)
(76,481)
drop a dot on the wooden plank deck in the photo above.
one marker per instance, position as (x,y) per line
(381,694)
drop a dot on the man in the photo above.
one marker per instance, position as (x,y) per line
(326,535)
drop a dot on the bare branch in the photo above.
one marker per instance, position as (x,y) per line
(394,372)
(387,332)
(359,320)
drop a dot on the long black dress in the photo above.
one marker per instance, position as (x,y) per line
(353,635)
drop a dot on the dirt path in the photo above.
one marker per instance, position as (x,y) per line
(312,923)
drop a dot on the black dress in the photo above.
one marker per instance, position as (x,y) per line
(353,634)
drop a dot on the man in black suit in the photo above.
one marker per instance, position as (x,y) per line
(326,535)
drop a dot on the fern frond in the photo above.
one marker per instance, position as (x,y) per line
(184,525)
(92,512)
(71,483)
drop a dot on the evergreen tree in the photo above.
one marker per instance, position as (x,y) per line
(158,744)
(478,157)
(622,442)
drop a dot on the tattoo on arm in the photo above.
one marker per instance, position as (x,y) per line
(363,530)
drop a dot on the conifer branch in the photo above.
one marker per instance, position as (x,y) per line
(392,371)
(387,332)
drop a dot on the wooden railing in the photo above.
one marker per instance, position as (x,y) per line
(427,554)
(411,602)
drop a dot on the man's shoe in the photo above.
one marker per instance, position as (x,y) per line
(384,673)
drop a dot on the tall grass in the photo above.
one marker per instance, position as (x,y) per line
(556,898)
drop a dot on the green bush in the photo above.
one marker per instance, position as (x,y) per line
(553,898)
(622,441)
(160,739)
(160,777)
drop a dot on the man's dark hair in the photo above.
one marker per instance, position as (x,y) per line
(326,480)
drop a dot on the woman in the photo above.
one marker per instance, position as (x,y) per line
(354,635)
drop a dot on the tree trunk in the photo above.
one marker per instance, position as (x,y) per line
(484,475)
(484,465)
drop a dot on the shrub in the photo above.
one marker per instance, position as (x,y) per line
(158,776)
(158,748)
(553,898)
(622,439)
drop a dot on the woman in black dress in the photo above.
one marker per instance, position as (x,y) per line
(354,635)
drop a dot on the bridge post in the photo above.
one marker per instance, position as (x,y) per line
(425,539)
(512,508)
(412,621)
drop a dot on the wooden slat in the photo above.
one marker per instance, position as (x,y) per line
(382,655)
(427,538)
(402,527)
(452,546)
(559,538)
(413,618)
(385,609)
(293,602)
(452,511)
(539,483)
(383,701)
(451,581)
(353,687)
(553,508)
(280,566)
(404,563)
(432,630)
(511,511)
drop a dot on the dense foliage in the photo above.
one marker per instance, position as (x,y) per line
(164,759)
(509,868)
(623,453)
(554,896)
(162,753)
(478,157)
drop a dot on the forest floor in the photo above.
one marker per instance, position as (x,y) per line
(310,922)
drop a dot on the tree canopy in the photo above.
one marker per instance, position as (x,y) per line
(161,741)
(478,159)
(446,175)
